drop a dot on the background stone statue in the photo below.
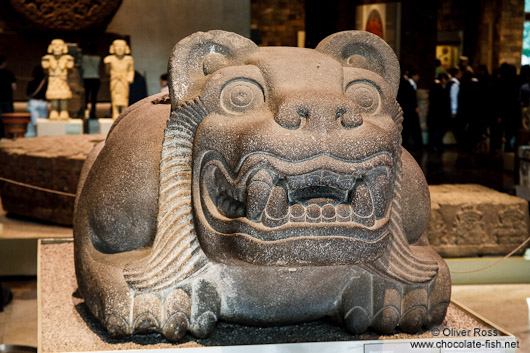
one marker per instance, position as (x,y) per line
(120,66)
(57,63)
(274,190)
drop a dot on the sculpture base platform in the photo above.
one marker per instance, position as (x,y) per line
(46,127)
(65,325)
(100,126)
(105,125)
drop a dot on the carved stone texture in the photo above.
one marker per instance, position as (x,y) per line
(470,220)
(47,162)
(275,191)
(66,15)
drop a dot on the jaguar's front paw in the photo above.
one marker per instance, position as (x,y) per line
(384,304)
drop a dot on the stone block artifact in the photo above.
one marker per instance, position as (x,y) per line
(57,63)
(274,190)
(120,66)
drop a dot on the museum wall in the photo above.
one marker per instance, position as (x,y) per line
(278,21)
(488,32)
(509,32)
(156,26)
(418,38)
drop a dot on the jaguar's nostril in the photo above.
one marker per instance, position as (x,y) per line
(350,119)
(302,112)
(321,113)
(340,112)
(291,118)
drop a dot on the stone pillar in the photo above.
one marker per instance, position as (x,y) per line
(500,33)
(418,38)
(277,21)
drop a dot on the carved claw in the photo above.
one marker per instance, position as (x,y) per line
(204,325)
(386,320)
(409,306)
(175,327)
(116,326)
(151,312)
(172,314)
(357,320)
(414,310)
(206,305)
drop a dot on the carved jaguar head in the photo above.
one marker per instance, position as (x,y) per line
(294,153)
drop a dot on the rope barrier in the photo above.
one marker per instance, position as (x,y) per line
(37,187)
(496,262)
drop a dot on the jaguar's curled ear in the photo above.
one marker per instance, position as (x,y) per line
(366,51)
(200,54)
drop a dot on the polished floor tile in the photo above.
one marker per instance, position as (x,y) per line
(506,305)
(18,321)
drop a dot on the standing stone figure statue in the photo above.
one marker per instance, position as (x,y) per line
(272,190)
(120,66)
(57,63)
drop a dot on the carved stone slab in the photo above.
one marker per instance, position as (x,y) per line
(471,220)
(48,162)
(66,15)
(275,191)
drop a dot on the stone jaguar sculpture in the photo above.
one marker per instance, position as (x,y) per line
(272,190)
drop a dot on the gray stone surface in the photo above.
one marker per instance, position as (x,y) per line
(273,190)
(471,220)
(48,162)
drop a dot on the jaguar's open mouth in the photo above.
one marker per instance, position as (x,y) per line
(271,199)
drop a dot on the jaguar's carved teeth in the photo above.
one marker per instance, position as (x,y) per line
(343,213)
(381,194)
(362,205)
(259,189)
(315,197)
(277,208)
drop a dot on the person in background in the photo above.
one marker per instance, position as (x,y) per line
(486,107)
(407,98)
(37,105)
(8,84)
(439,112)
(438,69)
(509,108)
(164,88)
(5,297)
(463,65)
(453,86)
(524,96)
(90,66)
(472,126)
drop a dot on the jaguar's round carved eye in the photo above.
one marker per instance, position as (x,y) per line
(241,95)
(365,95)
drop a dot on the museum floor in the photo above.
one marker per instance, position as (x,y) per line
(506,305)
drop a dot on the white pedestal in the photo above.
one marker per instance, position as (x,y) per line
(46,127)
(105,125)
(93,126)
